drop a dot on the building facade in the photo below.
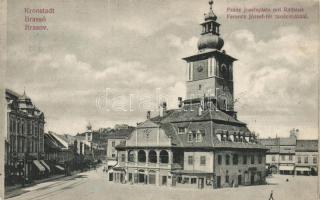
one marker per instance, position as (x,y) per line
(306,162)
(201,143)
(59,153)
(115,137)
(291,156)
(24,150)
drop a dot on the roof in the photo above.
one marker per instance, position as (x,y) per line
(289,141)
(12,93)
(211,123)
(208,53)
(270,141)
(190,113)
(307,146)
(120,133)
(52,142)
(23,104)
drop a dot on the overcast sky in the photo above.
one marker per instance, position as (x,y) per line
(120,50)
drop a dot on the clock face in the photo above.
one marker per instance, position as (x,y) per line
(147,132)
(200,68)
(224,70)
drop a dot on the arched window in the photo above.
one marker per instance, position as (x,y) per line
(164,156)
(152,156)
(141,156)
(131,156)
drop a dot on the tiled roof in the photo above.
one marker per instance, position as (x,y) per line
(171,132)
(289,141)
(307,145)
(270,141)
(51,142)
(190,113)
(120,133)
(12,93)
(209,123)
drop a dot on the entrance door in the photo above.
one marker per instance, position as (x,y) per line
(111,176)
(252,179)
(146,179)
(239,179)
(218,181)
(174,180)
(164,180)
(152,179)
(141,178)
(121,178)
(201,183)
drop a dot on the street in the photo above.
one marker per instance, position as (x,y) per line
(93,185)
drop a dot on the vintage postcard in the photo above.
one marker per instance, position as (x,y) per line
(159,99)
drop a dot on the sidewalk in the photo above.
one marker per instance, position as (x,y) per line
(18,189)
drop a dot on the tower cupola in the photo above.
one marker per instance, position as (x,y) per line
(210,36)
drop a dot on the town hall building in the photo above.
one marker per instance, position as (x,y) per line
(201,143)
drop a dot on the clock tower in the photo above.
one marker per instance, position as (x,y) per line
(210,70)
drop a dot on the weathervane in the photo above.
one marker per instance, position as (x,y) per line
(210,3)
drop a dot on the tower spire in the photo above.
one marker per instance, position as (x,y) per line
(210,3)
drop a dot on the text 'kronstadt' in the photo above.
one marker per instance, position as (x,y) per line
(39,10)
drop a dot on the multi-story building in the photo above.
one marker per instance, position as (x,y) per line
(25,141)
(201,143)
(306,162)
(59,153)
(114,137)
(289,155)
(272,155)
(286,154)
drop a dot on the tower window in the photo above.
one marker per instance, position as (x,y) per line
(225,104)
(200,87)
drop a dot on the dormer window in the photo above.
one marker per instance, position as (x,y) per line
(181,130)
(199,136)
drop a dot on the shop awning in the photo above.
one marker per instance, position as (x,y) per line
(303,169)
(39,166)
(59,167)
(45,165)
(286,168)
(191,172)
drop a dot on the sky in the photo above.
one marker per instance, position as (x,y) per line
(110,61)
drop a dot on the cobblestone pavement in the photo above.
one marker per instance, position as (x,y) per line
(94,185)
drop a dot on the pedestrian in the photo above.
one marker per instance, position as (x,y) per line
(271,195)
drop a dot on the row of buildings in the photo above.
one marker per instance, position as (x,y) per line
(289,155)
(31,154)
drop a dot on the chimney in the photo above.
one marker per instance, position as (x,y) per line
(180,102)
(148,114)
(163,108)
